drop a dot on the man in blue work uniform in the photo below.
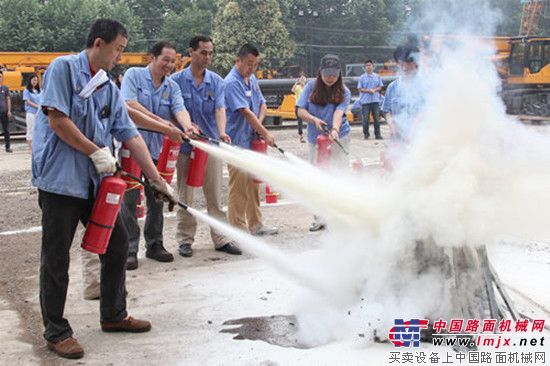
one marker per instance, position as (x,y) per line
(75,152)
(369,87)
(246,110)
(149,90)
(203,93)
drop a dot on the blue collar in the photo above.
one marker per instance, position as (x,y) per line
(150,78)
(189,76)
(84,64)
(240,77)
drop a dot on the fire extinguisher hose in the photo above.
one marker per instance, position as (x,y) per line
(143,183)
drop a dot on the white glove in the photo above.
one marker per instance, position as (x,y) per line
(163,192)
(103,161)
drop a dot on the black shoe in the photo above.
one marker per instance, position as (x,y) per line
(379,137)
(230,248)
(365,137)
(131,262)
(316,226)
(158,253)
(9,150)
(185,250)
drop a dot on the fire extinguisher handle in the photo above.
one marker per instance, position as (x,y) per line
(119,171)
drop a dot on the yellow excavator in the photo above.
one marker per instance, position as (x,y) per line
(525,66)
(19,66)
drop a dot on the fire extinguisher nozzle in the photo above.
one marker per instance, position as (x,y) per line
(183,205)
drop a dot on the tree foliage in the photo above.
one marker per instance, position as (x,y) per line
(257,21)
(291,32)
(195,18)
(20,26)
(58,25)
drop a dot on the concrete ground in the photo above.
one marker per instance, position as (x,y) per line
(211,309)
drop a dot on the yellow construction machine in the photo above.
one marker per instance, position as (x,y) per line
(19,66)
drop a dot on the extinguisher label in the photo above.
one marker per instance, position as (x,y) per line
(171,164)
(125,153)
(112,198)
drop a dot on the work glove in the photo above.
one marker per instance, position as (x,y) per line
(163,192)
(103,161)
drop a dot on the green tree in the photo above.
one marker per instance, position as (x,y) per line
(68,22)
(258,21)
(353,29)
(196,18)
(152,14)
(20,26)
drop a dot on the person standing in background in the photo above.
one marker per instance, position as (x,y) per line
(5,112)
(297,89)
(369,87)
(31,97)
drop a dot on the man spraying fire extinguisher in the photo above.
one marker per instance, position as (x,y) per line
(81,113)
(150,91)
(203,93)
(246,111)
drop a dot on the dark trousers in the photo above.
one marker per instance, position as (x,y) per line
(300,123)
(5,127)
(154,219)
(366,110)
(60,217)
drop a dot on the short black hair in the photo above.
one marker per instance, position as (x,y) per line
(194,42)
(368,61)
(405,53)
(107,30)
(248,49)
(159,46)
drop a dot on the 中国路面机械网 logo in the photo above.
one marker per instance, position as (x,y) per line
(407,333)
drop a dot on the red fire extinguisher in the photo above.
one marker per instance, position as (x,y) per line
(104,214)
(130,166)
(259,146)
(168,158)
(323,150)
(357,165)
(197,167)
(140,207)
